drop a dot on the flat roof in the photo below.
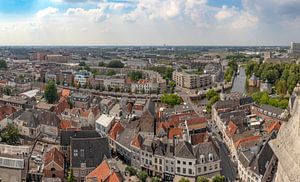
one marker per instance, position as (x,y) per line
(30,93)
(105,120)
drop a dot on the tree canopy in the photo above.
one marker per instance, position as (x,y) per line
(51,92)
(184,180)
(202,179)
(131,170)
(10,134)
(165,72)
(264,98)
(284,75)
(115,64)
(211,93)
(135,75)
(219,178)
(3,64)
(170,99)
(142,175)
(82,63)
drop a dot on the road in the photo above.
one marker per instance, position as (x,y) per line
(228,168)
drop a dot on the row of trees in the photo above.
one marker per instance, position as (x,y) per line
(10,135)
(212,96)
(284,76)
(232,68)
(112,64)
(135,75)
(264,98)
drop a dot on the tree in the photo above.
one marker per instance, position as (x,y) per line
(155,179)
(142,175)
(3,64)
(82,63)
(184,180)
(135,75)
(10,134)
(111,73)
(228,74)
(168,73)
(115,64)
(170,99)
(130,170)
(7,91)
(71,177)
(218,178)
(101,64)
(280,87)
(172,85)
(51,92)
(202,179)
(210,94)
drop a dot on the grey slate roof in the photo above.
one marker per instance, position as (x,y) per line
(272,109)
(184,150)
(94,151)
(205,149)
(150,107)
(35,118)
(65,136)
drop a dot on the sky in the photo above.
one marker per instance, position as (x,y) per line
(149,22)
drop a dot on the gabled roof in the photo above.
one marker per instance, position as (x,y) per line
(54,155)
(184,150)
(150,107)
(137,141)
(101,173)
(116,129)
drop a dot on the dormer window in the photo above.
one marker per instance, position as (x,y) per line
(202,160)
(210,157)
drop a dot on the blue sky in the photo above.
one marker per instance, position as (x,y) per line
(149,22)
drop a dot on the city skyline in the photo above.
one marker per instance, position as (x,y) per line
(149,22)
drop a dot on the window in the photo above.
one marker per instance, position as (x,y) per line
(190,163)
(167,161)
(160,161)
(184,163)
(178,162)
(160,168)
(204,169)
(190,171)
(167,168)
(172,169)
(216,166)
(178,169)
(210,157)
(199,170)
(81,152)
(155,160)
(184,170)
(75,153)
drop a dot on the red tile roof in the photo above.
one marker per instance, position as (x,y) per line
(65,93)
(114,177)
(101,173)
(65,124)
(274,125)
(137,141)
(54,155)
(6,111)
(115,130)
(199,138)
(175,132)
(246,139)
(231,129)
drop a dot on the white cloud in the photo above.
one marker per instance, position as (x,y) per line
(47,12)
(95,15)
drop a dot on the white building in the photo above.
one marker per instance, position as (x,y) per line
(82,77)
(104,123)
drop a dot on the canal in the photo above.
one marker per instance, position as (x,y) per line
(239,83)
